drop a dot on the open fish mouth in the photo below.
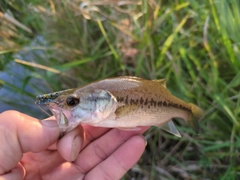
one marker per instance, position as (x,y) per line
(63,117)
(51,101)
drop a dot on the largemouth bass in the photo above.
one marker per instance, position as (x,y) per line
(121,102)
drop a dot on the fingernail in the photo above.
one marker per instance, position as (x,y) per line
(49,123)
(144,140)
(76,147)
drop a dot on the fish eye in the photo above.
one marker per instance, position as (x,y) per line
(72,101)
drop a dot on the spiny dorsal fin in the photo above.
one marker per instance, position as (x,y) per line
(162,82)
(170,127)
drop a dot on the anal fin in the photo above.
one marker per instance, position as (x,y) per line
(171,128)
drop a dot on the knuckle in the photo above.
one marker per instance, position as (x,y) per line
(100,153)
(106,175)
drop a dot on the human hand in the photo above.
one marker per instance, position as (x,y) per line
(31,149)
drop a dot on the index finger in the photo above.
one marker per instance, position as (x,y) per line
(22,133)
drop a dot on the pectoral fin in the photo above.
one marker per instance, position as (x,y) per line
(170,127)
(125,110)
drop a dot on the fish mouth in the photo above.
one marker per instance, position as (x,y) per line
(55,103)
(63,117)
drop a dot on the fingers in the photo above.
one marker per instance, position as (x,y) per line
(65,170)
(93,133)
(114,166)
(16,173)
(120,161)
(21,133)
(70,144)
(100,149)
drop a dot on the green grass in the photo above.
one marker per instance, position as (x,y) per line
(193,44)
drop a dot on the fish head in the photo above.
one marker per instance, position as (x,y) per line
(75,106)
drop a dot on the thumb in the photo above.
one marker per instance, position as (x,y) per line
(21,133)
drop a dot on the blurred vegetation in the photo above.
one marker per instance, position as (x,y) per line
(51,45)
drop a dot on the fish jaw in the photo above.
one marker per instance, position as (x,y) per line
(63,117)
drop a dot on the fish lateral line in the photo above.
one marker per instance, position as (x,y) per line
(150,103)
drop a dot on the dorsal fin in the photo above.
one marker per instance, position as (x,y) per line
(162,82)
(170,127)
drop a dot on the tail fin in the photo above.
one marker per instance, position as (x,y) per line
(195,116)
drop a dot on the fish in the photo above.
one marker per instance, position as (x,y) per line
(124,102)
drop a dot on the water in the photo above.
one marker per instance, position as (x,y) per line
(23,83)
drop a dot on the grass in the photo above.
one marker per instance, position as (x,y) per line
(193,44)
